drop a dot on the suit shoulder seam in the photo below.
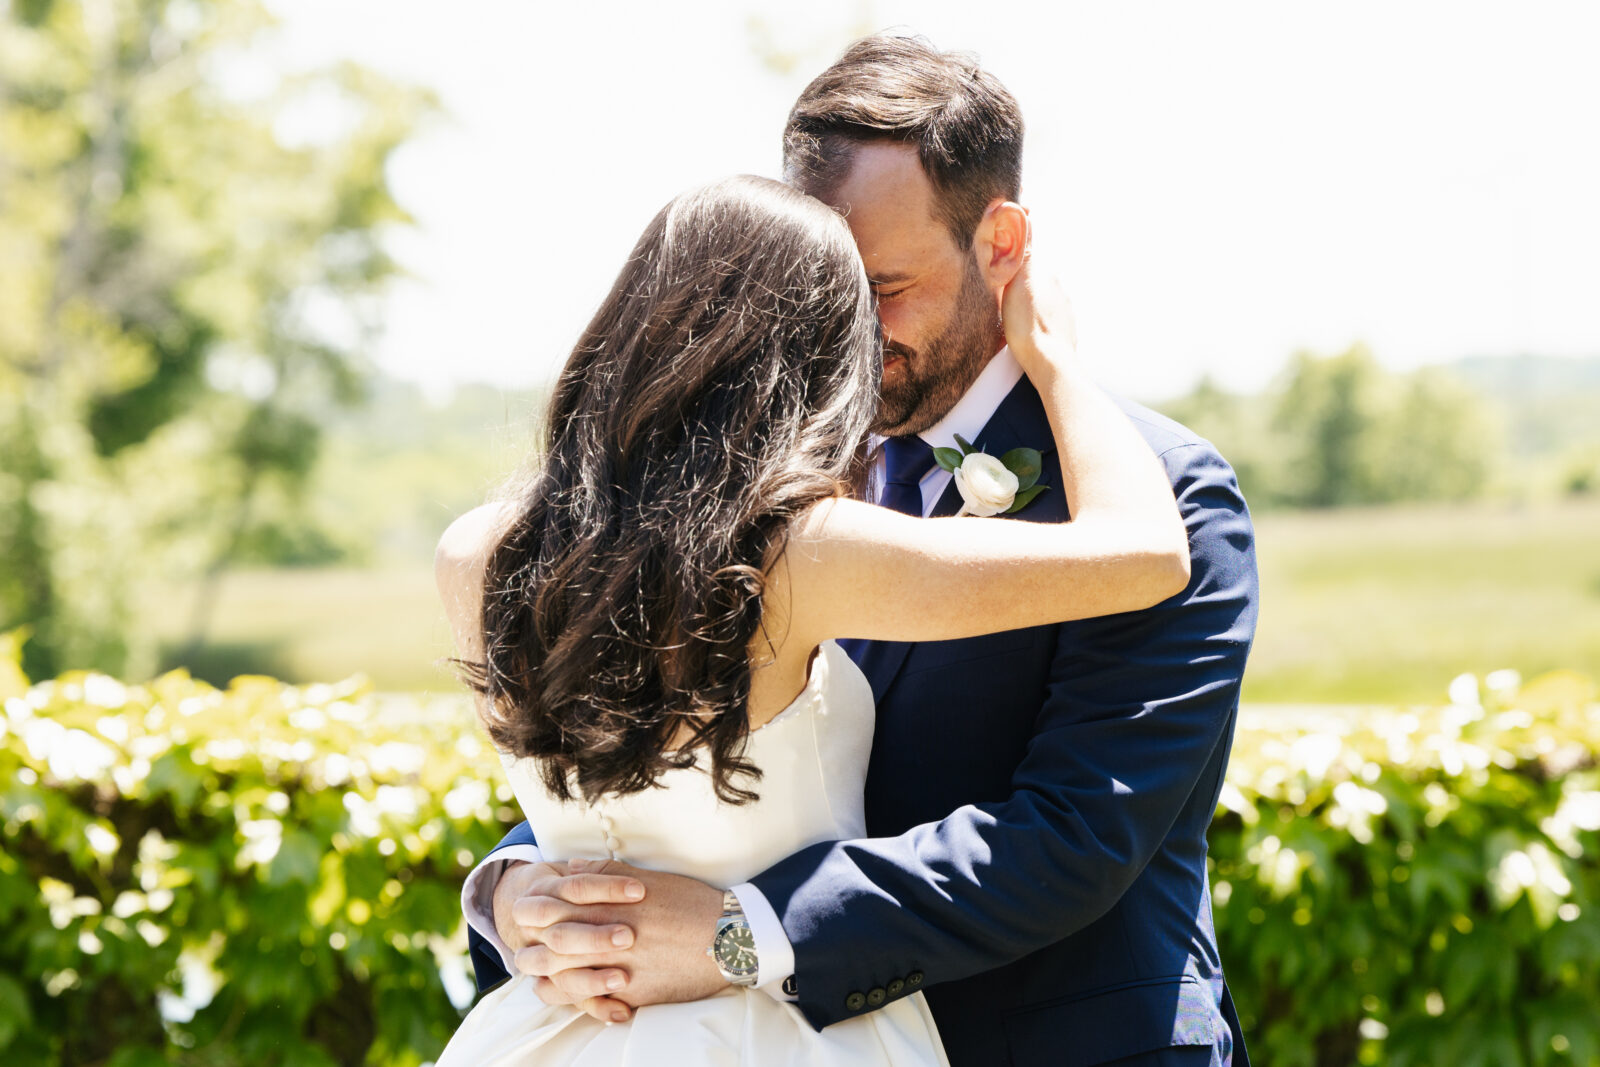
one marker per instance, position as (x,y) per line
(1183,444)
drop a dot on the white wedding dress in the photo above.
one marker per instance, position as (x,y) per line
(813,758)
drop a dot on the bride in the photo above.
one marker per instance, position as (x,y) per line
(649,623)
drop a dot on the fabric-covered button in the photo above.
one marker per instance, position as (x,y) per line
(914,979)
(612,843)
(896,987)
(855,1001)
(876,996)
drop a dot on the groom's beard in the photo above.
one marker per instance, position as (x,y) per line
(935,376)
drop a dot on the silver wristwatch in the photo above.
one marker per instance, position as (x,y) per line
(732,947)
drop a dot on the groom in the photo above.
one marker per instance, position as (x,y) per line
(1039,798)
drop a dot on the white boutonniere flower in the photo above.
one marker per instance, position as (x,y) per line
(990,486)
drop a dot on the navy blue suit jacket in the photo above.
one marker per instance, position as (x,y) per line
(1038,801)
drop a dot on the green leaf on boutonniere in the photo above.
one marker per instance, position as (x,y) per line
(947,458)
(1024,498)
(966,446)
(1026,464)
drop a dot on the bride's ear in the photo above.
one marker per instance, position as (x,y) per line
(1001,243)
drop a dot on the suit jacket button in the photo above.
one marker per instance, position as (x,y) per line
(895,988)
(914,979)
(855,1001)
(876,996)
(791,987)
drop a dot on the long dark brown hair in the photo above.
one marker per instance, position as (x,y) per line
(725,385)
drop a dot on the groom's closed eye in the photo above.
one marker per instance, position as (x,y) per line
(889,285)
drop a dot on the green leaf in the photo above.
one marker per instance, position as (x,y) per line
(947,458)
(1024,498)
(298,860)
(1026,464)
(966,446)
(175,773)
(15,1012)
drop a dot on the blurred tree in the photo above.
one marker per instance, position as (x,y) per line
(189,251)
(1330,408)
(1436,440)
(1581,476)
(1242,427)
(1339,430)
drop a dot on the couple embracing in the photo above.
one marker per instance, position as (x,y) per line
(823,761)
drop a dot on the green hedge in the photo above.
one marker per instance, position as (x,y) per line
(1417,887)
(298,851)
(270,875)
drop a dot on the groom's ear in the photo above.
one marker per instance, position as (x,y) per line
(1001,243)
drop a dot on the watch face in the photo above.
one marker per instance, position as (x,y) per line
(736,949)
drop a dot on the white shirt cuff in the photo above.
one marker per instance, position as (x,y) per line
(477,896)
(774,951)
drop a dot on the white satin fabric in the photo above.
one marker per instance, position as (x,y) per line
(813,758)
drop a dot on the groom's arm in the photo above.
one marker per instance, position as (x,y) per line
(491,956)
(1137,705)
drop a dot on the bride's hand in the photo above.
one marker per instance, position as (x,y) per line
(1037,316)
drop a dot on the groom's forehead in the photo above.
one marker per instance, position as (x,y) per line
(889,204)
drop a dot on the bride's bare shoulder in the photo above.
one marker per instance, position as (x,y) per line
(464,548)
(833,519)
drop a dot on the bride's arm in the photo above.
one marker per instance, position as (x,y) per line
(855,570)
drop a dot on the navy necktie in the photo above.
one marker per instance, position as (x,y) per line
(906,461)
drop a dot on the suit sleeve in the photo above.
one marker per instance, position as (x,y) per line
(1136,707)
(488,965)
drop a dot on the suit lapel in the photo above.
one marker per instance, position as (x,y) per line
(1019,422)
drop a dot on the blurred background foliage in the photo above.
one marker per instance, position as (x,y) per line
(270,874)
(182,289)
(199,469)
(1417,886)
(266,875)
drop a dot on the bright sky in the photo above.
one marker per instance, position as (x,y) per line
(1220,183)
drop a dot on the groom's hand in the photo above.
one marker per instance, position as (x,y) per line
(573,951)
(538,889)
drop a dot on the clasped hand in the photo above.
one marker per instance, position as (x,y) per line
(607,937)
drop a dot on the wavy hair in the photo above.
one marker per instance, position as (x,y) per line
(724,386)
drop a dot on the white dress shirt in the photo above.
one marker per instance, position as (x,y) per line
(774,952)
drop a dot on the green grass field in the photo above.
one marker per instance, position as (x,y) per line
(1357,606)
(1389,605)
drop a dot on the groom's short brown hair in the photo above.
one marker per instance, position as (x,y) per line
(966,127)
